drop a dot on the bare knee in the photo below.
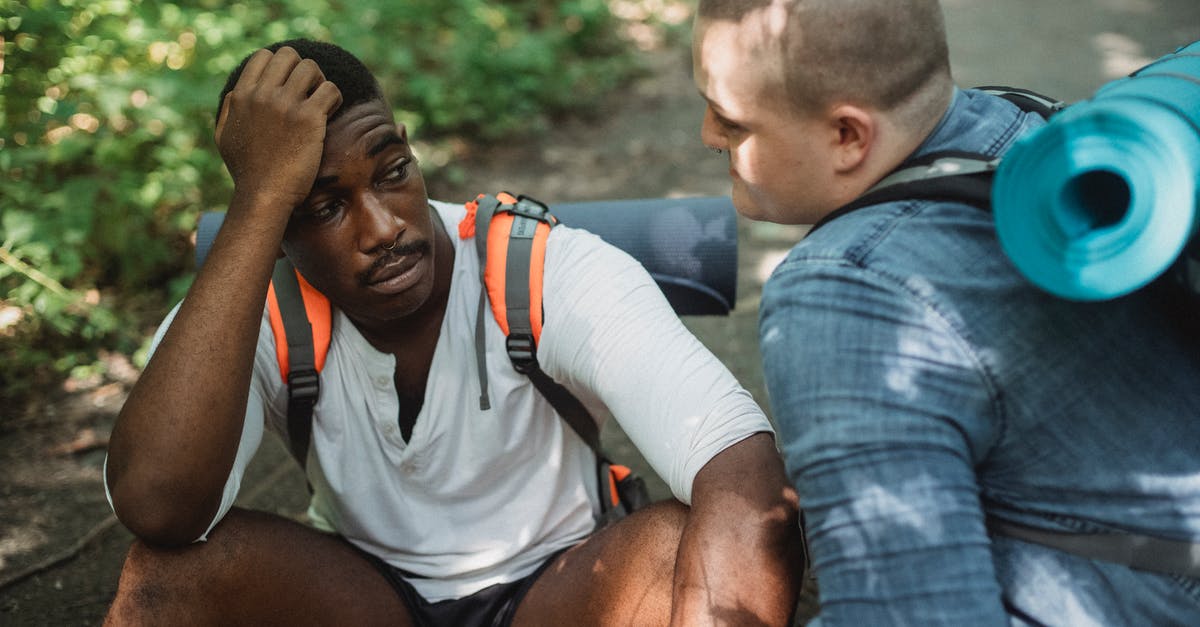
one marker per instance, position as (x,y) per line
(654,532)
(256,568)
(620,575)
(157,584)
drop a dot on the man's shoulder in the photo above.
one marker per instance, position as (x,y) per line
(910,249)
(451,213)
(988,123)
(570,249)
(891,232)
(563,236)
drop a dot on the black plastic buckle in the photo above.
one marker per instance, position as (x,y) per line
(533,209)
(522,352)
(303,386)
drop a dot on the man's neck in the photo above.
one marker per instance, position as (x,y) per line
(906,129)
(926,115)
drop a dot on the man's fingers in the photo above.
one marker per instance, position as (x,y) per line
(304,79)
(327,96)
(280,66)
(255,66)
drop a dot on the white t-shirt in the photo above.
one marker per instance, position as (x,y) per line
(476,497)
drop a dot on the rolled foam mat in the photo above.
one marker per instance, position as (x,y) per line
(1103,199)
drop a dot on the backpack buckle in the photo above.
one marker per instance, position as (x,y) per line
(303,386)
(533,209)
(522,352)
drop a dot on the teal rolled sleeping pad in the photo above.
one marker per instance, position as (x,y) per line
(1104,198)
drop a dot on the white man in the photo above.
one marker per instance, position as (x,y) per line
(951,430)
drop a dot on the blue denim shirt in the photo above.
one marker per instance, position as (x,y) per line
(919,382)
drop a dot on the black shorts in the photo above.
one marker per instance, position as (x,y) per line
(494,606)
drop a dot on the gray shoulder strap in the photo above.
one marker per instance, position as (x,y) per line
(303,382)
(484,211)
(1157,555)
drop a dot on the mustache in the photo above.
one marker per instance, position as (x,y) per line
(422,246)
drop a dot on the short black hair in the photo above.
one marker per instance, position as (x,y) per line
(339,66)
(728,10)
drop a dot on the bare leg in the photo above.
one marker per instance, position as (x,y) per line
(622,575)
(255,569)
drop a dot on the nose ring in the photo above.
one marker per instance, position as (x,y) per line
(391,246)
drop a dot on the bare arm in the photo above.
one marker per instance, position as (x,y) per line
(741,556)
(176,437)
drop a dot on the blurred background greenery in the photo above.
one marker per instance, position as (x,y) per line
(106,117)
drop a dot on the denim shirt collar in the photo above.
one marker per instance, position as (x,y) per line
(975,122)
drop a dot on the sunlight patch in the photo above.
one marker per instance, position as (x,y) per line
(767,264)
(20,540)
(877,510)
(1120,55)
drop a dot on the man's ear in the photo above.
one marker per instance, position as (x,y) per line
(855,132)
(402,131)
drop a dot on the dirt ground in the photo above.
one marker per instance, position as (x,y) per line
(60,547)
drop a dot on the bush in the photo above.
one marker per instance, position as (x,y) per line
(106,121)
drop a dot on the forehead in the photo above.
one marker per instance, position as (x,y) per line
(739,65)
(359,130)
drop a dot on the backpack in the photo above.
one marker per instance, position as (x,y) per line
(510,233)
(967,178)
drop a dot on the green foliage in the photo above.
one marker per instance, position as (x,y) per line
(106,157)
(483,67)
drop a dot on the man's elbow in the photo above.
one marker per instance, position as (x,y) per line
(157,517)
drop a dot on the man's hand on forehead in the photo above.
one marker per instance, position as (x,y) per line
(272,125)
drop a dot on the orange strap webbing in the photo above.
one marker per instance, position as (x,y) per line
(320,318)
(524,309)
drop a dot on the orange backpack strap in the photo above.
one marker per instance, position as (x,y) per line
(510,236)
(302,323)
(512,278)
(516,259)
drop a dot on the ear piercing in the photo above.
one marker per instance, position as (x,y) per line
(715,149)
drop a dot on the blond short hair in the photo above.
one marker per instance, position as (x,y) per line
(880,53)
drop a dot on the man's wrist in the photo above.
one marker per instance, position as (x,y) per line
(263,201)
